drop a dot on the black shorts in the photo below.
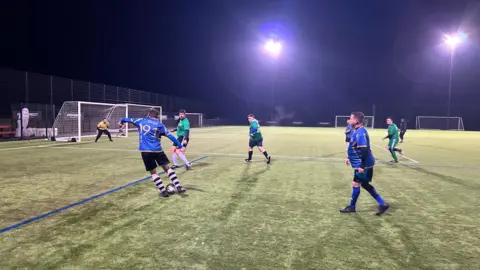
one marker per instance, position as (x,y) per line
(253,143)
(152,159)
(347,139)
(103,131)
(180,139)
(366,177)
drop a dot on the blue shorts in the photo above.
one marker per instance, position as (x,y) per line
(364,177)
(253,143)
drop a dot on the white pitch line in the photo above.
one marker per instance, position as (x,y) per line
(411,159)
(198,153)
(194,153)
(36,146)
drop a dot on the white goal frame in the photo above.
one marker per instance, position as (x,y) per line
(372,118)
(77,135)
(460,125)
(160,113)
(200,118)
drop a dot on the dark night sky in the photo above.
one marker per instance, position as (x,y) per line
(371,51)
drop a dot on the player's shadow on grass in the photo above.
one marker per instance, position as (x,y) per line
(373,232)
(200,165)
(193,187)
(445,178)
(244,186)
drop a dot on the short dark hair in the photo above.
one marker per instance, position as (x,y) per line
(153,113)
(390,118)
(251,115)
(359,116)
(182,111)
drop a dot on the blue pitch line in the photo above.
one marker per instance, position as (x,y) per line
(30,220)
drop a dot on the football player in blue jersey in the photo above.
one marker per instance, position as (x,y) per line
(362,161)
(150,130)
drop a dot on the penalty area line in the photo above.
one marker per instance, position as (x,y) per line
(411,159)
(58,210)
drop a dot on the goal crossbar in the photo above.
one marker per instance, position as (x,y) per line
(341,121)
(439,122)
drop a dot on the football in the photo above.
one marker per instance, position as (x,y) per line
(170,189)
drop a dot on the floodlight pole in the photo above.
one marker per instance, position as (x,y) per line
(274,71)
(452,53)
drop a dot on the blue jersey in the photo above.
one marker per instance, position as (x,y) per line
(349,131)
(150,131)
(359,140)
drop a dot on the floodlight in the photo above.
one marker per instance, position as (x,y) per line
(452,41)
(273,47)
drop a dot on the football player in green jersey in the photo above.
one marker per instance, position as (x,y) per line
(392,136)
(183,136)
(256,139)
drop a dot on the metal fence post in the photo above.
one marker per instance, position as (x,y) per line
(21,120)
(51,89)
(26,86)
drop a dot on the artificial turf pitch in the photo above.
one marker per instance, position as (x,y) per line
(240,216)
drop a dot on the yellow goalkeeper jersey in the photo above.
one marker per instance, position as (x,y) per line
(102,125)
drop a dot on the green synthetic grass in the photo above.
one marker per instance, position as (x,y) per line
(240,216)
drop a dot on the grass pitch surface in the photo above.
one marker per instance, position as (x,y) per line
(239,216)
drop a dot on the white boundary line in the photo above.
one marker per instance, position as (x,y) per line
(411,159)
(210,154)
(57,145)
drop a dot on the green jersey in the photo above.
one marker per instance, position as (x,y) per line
(255,133)
(182,126)
(393,132)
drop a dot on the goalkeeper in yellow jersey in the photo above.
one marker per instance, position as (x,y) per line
(102,128)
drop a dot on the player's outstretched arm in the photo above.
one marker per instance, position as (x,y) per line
(174,140)
(130,120)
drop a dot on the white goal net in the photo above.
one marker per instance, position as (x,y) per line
(139,111)
(341,121)
(79,119)
(439,123)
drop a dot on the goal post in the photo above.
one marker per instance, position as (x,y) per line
(341,121)
(139,111)
(439,123)
(79,119)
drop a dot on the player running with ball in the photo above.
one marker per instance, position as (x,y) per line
(256,139)
(362,161)
(183,136)
(150,130)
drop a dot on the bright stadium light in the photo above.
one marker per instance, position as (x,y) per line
(452,41)
(273,47)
